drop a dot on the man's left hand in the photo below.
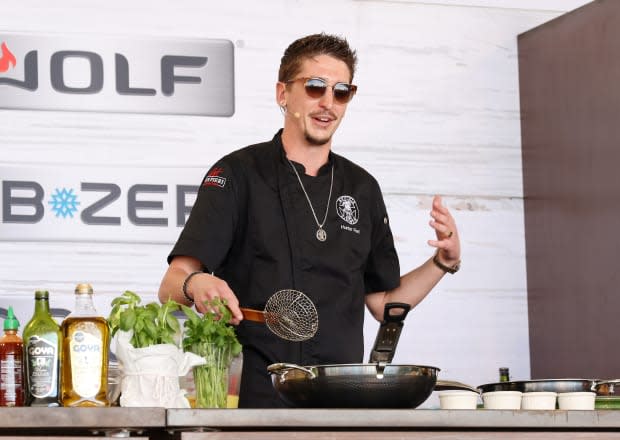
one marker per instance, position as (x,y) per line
(447,242)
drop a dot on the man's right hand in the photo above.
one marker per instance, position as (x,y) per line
(202,287)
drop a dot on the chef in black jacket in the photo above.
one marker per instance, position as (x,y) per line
(291,214)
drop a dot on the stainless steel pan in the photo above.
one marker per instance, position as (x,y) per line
(377,384)
(354,385)
(601,387)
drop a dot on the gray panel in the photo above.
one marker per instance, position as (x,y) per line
(113,74)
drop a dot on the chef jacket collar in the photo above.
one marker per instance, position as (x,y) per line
(325,168)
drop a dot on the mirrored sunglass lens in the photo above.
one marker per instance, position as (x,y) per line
(315,88)
(342,92)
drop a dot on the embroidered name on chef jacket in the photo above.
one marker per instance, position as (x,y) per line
(347,209)
(214,179)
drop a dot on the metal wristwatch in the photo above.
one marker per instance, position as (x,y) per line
(449,269)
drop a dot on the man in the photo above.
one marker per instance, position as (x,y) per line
(291,214)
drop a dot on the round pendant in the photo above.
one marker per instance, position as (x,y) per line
(321,235)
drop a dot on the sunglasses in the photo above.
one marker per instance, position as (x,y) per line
(316,88)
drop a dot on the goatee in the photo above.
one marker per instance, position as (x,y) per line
(317,141)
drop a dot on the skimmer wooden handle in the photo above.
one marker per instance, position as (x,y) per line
(253,315)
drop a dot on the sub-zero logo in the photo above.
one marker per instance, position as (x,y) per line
(6,58)
(119,75)
(25,202)
(64,203)
(214,178)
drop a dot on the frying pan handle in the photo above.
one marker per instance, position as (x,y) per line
(454,385)
(610,382)
(281,369)
(388,316)
(389,332)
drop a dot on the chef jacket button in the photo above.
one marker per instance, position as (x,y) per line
(385,220)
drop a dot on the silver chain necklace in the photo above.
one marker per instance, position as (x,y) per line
(321,235)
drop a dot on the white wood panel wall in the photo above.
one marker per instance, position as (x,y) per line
(437,112)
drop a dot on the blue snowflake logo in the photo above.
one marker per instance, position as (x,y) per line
(64,203)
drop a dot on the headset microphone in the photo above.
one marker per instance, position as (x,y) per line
(296,115)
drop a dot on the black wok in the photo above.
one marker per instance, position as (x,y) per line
(354,385)
(378,384)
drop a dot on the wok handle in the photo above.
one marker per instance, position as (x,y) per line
(253,315)
(454,385)
(611,382)
(388,316)
(389,332)
(282,368)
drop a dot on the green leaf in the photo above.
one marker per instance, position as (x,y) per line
(191,315)
(151,328)
(139,325)
(128,319)
(173,323)
(134,297)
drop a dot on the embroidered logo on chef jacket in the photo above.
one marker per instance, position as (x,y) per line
(214,179)
(347,209)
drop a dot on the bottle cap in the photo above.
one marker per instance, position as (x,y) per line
(11,322)
(41,294)
(84,288)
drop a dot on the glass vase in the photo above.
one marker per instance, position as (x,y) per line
(211,379)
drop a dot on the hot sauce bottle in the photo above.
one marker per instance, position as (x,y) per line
(11,363)
(85,344)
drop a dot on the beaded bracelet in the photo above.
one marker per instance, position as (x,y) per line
(186,282)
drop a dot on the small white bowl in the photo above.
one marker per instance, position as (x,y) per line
(539,400)
(458,399)
(502,400)
(583,400)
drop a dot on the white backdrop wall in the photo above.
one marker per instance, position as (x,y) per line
(437,112)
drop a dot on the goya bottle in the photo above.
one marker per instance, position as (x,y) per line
(85,341)
(11,363)
(42,340)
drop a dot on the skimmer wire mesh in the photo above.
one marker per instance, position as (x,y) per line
(291,315)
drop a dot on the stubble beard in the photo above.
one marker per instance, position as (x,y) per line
(319,142)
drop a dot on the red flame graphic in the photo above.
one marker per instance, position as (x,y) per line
(215,172)
(6,59)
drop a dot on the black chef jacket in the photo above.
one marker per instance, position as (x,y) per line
(252,226)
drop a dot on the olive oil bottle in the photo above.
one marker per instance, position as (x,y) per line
(85,344)
(504,374)
(42,347)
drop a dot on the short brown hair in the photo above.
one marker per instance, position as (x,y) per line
(311,46)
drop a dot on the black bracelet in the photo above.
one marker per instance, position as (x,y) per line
(186,282)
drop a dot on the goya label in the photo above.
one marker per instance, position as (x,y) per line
(86,351)
(42,366)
